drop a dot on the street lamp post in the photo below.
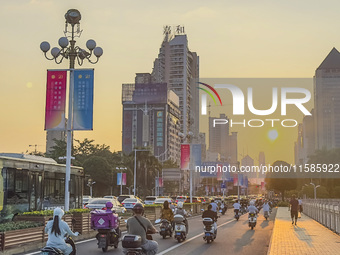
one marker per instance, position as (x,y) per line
(72,53)
(134,173)
(315,187)
(90,184)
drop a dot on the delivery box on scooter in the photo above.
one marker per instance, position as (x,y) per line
(101,219)
(131,241)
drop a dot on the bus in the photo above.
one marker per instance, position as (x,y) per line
(33,183)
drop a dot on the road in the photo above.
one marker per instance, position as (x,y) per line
(233,237)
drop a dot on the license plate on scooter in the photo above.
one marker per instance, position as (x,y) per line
(207,234)
(178,234)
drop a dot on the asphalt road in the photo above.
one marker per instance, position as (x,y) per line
(233,237)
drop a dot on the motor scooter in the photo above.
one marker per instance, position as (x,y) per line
(252,220)
(47,250)
(107,225)
(180,228)
(165,228)
(237,216)
(209,230)
(266,215)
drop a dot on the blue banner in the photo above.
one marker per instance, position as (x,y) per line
(246,181)
(83,100)
(119,178)
(240,180)
(196,154)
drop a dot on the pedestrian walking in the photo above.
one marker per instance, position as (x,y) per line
(300,207)
(294,208)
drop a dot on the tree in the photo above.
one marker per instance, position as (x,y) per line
(276,182)
(101,172)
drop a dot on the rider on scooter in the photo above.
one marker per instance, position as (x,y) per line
(56,230)
(212,215)
(113,217)
(181,211)
(139,225)
(167,213)
(251,208)
(236,206)
(266,207)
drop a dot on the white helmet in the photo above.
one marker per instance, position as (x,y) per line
(58,212)
(252,202)
(180,205)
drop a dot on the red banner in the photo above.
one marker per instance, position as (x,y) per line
(185,156)
(235,179)
(55,100)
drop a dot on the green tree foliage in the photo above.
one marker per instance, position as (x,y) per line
(327,179)
(100,165)
(100,171)
(274,180)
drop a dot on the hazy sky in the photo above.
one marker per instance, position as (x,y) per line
(233,39)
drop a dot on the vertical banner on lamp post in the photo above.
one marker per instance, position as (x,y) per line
(235,180)
(246,181)
(196,153)
(262,185)
(83,100)
(55,100)
(119,179)
(124,179)
(185,156)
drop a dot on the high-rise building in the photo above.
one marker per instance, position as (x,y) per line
(52,135)
(220,141)
(151,119)
(327,102)
(177,66)
(305,144)
(248,161)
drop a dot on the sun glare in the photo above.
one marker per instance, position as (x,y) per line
(272,134)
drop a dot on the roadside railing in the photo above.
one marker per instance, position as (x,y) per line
(325,211)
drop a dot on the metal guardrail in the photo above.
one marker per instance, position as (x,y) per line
(325,211)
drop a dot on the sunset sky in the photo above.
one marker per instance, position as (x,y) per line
(238,39)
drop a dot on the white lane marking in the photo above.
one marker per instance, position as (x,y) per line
(192,238)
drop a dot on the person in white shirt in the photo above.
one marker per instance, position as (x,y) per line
(266,207)
(214,206)
(56,230)
(251,208)
(237,207)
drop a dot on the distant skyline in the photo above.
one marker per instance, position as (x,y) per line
(245,39)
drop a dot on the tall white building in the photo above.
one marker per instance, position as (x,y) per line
(177,66)
(327,102)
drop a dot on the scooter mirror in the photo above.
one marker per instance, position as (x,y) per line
(157,221)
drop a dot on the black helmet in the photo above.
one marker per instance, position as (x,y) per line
(138,208)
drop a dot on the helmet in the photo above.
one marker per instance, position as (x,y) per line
(252,202)
(58,212)
(109,205)
(138,208)
(180,205)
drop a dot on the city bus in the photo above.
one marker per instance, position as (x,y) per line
(33,183)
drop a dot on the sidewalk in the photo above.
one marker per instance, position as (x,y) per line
(308,237)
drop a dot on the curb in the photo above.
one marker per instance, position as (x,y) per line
(271,238)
